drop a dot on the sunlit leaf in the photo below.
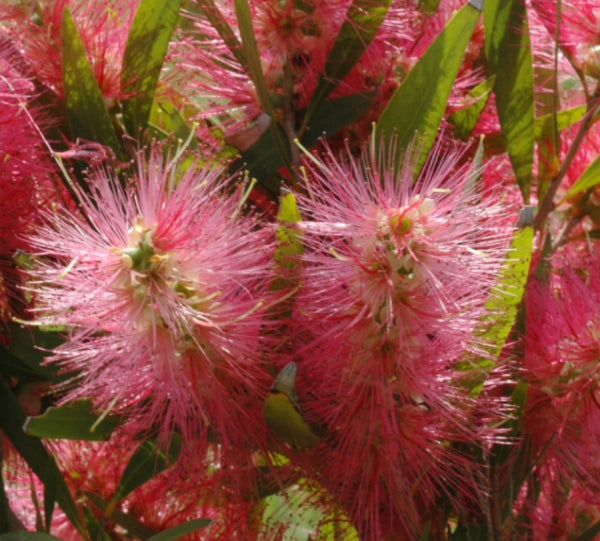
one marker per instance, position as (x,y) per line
(145,52)
(466,119)
(589,178)
(508,50)
(75,421)
(506,296)
(88,115)
(417,107)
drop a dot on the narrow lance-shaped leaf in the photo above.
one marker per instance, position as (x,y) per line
(508,50)
(589,179)
(503,304)
(88,115)
(252,58)
(181,529)
(548,149)
(466,119)
(147,461)
(145,52)
(506,296)
(418,105)
(363,20)
(494,144)
(36,456)
(28,536)
(75,421)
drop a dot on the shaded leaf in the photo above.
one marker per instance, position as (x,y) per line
(88,115)
(144,55)
(263,159)
(28,536)
(508,50)
(360,26)
(147,462)
(34,453)
(590,534)
(419,103)
(181,529)
(4,507)
(133,527)
(74,421)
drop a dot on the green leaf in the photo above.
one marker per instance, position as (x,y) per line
(181,529)
(27,351)
(133,526)
(466,119)
(144,55)
(28,536)
(289,244)
(147,462)
(508,50)
(94,526)
(74,421)
(361,24)
(589,178)
(166,120)
(564,119)
(34,453)
(506,297)
(88,115)
(419,103)
(548,149)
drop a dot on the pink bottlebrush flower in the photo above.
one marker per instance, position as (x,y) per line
(578,31)
(561,364)
(28,180)
(163,286)
(103,27)
(396,274)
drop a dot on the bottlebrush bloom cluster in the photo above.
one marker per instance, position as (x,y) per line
(163,285)
(396,272)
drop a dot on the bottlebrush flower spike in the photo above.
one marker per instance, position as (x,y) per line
(561,362)
(163,285)
(396,274)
